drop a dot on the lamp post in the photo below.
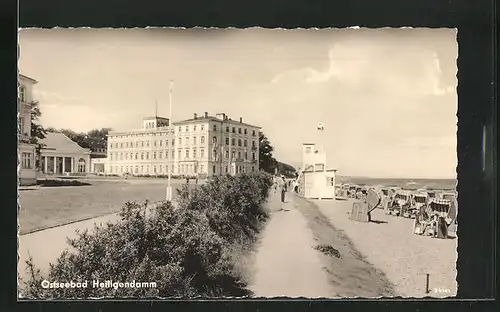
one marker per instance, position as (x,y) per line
(169,185)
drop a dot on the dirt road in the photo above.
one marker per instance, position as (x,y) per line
(286,263)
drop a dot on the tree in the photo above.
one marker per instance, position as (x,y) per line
(96,138)
(267,162)
(37,132)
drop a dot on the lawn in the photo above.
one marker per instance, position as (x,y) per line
(51,206)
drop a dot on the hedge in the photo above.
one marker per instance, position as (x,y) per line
(185,250)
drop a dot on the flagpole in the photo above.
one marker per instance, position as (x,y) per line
(170,168)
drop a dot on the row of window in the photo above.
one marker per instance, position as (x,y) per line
(214,128)
(131,144)
(187,153)
(181,169)
(187,141)
(141,134)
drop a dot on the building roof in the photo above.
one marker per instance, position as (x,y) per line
(212,118)
(28,78)
(155,118)
(61,143)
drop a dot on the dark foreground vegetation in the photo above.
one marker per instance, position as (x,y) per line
(186,250)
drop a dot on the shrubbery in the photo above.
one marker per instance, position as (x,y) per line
(185,249)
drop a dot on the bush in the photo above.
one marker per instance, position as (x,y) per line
(61,182)
(185,250)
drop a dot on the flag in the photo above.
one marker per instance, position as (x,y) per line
(320,126)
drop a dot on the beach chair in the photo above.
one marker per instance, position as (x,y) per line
(435,218)
(361,210)
(400,204)
(418,200)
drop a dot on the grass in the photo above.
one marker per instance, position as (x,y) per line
(348,271)
(52,206)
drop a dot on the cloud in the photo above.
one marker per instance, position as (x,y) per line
(47,96)
(376,68)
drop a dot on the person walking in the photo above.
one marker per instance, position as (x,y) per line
(283,188)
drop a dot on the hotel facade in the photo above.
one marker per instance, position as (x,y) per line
(201,146)
(27,170)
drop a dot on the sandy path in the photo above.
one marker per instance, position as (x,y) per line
(285,262)
(405,258)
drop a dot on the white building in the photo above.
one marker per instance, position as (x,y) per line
(27,171)
(316,181)
(203,145)
(60,155)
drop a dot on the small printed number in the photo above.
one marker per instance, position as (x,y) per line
(442,290)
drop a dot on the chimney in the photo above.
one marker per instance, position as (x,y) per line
(195,115)
(206,114)
(241,120)
(223,116)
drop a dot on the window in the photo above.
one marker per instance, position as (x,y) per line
(131,144)
(239,130)
(187,153)
(253,156)
(233,141)
(154,169)
(173,154)
(239,155)
(202,140)
(154,156)
(136,169)
(194,128)
(319,167)
(27,161)
(121,145)
(253,132)
(202,153)
(246,155)
(227,129)
(234,130)
(202,168)
(142,143)
(227,141)
(111,156)
(308,149)
(245,131)
(22,94)
(253,168)
(227,169)
(227,154)
(194,140)
(213,168)
(202,127)
(214,140)
(187,128)
(180,129)
(162,142)
(173,142)
(253,143)
(245,143)
(215,127)
(194,153)
(330,181)
(147,143)
(154,143)
(239,142)
(187,141)
(142,155)
(232,154)
(180,154)
(142,169)
(214,154)
(136,143)
(180,141)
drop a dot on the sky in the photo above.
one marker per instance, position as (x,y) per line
(386,97)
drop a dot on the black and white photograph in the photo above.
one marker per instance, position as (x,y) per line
(237,163)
